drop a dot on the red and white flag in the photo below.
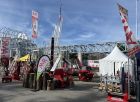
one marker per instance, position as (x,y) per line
(133,45)
(124,11)
(34,24)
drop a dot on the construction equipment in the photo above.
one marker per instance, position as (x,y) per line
(85,74)
(62,76)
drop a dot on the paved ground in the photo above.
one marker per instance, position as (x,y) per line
(81,92)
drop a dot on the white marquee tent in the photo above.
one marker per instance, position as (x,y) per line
(113,62)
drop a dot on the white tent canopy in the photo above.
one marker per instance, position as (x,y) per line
(113,62)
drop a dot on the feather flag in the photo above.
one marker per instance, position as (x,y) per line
(34,24)
(42,65)
(133,45)
(124,11)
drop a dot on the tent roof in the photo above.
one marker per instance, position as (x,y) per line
(116,55)
(24,58)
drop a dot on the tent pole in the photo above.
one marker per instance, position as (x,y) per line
(114,68)
(128,80)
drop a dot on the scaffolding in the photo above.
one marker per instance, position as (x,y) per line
(20,43)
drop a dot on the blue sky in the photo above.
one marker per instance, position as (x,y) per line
(85,21)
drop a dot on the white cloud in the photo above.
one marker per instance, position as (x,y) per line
(88,35)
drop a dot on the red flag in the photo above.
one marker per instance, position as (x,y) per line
(34,24)
(5,51)
(133,45)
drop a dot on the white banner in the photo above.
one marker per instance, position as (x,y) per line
(34,24)
(42,64)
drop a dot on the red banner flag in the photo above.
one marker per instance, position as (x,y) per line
(133,45)
(34,24)
(5,53)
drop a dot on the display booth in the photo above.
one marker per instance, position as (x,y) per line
(117,72)
(112,63)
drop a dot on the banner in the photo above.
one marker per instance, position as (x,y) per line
(34,24)
(42,64)
(5,42)
(124,11)
(133,45)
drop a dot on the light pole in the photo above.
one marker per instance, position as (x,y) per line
(136,19)
(137,68)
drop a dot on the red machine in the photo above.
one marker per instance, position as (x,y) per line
(62,78)
(116,97)
(85,74)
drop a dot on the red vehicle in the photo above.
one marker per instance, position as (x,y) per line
(85,74)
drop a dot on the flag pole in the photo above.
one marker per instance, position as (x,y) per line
(136,19)
(137,80)
(128,79)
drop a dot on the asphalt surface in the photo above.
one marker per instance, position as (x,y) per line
(81,92)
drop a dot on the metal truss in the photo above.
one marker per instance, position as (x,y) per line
(92,48)
(19,41)
(8,32)
(87,48)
